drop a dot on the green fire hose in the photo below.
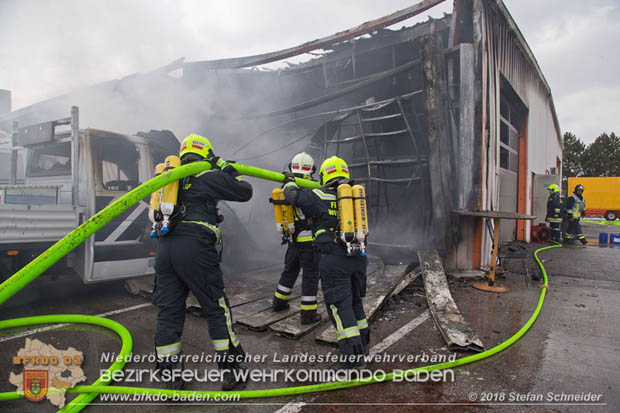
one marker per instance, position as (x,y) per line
(87,393)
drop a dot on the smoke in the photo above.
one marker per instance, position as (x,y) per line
(77,44)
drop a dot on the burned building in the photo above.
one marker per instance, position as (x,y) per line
(452,113)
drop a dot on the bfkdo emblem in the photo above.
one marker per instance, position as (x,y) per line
(35,384)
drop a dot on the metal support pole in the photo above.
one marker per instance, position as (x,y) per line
(367,153)
(75,155)
(491,286)
(13,173)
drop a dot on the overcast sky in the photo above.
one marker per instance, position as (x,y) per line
(50,47)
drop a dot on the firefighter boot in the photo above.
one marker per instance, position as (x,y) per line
(353,356)
(309,317)
(279,304)
(170,371)
(234,376)
(365,335)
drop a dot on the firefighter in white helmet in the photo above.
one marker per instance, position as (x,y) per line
(300,254)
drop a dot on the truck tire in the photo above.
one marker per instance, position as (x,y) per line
(611,215)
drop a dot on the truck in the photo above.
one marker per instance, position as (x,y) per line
(602,195)
(59,176)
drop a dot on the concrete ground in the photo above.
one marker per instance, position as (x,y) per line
(572,349)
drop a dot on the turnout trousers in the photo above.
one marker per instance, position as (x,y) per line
(572,230)
(184,263)
(300,256)
(343,280)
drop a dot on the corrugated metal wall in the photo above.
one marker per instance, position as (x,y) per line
(504,55)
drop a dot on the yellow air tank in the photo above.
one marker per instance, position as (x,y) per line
(155,196)
(361,216)
(345,215)
(285,220)
(169,194)
(155,200)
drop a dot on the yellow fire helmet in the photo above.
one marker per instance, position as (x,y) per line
(332,168)
(553,188)
(196,144)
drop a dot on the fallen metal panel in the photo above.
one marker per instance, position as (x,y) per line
(457,334)
(406,280)
(140,286)
(379,287)
(362,29)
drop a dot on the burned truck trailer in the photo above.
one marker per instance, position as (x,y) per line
(450,113)
(70,174)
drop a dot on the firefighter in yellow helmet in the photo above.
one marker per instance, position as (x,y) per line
(554,212)
(343,277)
(187,260)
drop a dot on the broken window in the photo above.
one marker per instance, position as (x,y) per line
(51,160)
(117,161)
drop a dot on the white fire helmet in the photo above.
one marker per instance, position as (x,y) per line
(303,164)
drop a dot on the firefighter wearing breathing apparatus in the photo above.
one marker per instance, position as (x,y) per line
(554,212)
(341,246)
(575,210)
(300,253)
(187,260)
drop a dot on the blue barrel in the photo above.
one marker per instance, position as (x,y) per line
(614,238)
(602,237)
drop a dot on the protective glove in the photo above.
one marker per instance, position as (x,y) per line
(217,162)
(583,214)
(288,177)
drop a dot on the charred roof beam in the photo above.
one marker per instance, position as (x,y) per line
(364,28)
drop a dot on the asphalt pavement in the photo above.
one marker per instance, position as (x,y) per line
(571,352)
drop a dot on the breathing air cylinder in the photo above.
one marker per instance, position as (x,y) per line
(361,216)
(283,213)
(346,215)
(169,194)
(155,200)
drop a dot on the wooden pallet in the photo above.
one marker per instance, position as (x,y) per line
(379,288)
(456,332)
(261,320)
(291,327)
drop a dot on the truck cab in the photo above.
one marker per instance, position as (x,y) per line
(69,174)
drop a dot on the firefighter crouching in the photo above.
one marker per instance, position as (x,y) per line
(342,274)
(187,260)
(300,254)
(575,210)
(554,212)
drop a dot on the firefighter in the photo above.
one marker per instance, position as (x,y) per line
(575,210)
(554,212)
(187,260)
(300,254)
(343,277)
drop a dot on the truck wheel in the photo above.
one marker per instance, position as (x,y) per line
(611,215)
